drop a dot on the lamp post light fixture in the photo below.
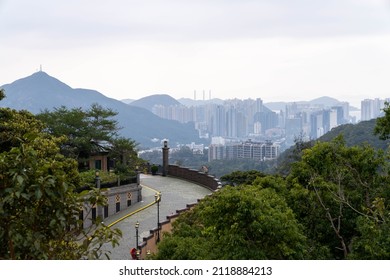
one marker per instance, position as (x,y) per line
(157,198)
(136,234)
(136,239)
(97,179)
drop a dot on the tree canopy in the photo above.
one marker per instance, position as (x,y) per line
(82,128)
(123,152)
(241,177)
(2,94)
(334,185)
(236,223)
(382,127)
(39,207)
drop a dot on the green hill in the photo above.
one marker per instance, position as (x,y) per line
(357,134)
(354,134)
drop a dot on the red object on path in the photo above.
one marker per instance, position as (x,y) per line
(133,253)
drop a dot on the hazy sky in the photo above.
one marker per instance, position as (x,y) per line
(278,50)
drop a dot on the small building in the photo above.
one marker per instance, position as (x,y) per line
(99,158)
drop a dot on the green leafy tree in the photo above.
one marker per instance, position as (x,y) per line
(220,168)
(293,154)
(17,128)
(331,187)
(124,153)
(101,122)
(83,128)
(373,241)
(242,177)
(245,222)
(2,94)
(39,207)
(382,127)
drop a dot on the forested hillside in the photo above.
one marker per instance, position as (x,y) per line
(357,134)
(353,134)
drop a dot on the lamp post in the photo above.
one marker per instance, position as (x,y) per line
(97,179)
(157,198)
(136,238)
(138,178)
(136,234)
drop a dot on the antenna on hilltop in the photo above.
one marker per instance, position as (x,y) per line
(40,68)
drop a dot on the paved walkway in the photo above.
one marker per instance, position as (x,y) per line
(175,195)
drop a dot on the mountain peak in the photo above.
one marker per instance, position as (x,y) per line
(34,92)
(326,100)
(41,91)
(40,81)
(156,99)
(40,73)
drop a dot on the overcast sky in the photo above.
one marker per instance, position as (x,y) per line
(278,50)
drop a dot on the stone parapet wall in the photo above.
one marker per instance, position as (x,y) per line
(149,244)
(195,176)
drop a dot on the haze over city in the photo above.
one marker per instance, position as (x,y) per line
(276,50)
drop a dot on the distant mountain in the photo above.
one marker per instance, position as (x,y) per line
(149,102)
(191,102)
(127,100)
(41,91)
(325,100)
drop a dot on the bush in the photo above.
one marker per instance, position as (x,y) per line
(88,178)
(154,169)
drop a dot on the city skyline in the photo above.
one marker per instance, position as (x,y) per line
(274,50)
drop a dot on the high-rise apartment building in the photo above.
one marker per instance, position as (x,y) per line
(246,150)
(371,108)
(367,109)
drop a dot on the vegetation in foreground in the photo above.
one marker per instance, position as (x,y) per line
(39,176)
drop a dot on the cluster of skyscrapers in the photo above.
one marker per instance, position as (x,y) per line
(233,118)
(251,130)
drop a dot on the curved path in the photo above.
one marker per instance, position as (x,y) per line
(175,195)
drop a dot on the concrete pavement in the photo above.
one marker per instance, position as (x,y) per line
(175,195)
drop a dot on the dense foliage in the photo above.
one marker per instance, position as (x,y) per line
(39,207)
(82,128)
(89,131)
(237,223)
(332,187)
(241,177)
(382,127)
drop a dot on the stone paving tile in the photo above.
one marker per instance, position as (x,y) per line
(175,195)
